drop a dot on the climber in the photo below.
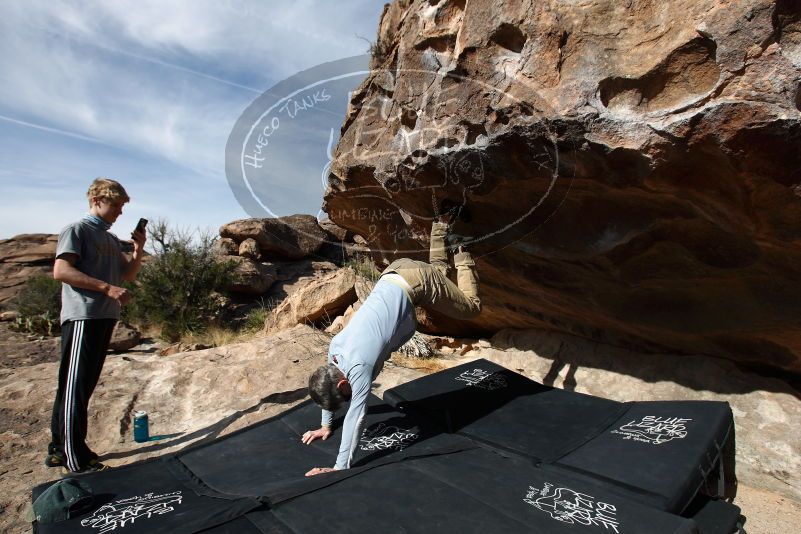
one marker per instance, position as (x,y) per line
(384,322)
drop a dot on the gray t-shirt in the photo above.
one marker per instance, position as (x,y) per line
(384,322)
(99,256)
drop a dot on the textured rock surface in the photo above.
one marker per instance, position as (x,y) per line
(633,170)
(335,233)
(18,349)
(125,337)
(250,277)
(292,237)
(23,256)
(226,247)
(322,298)
(249,249)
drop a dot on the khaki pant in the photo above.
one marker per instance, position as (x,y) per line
(431,287)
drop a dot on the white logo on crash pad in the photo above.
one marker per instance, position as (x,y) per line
(655,430)
(120,514)
(483,379)
(383,437)
(572,507)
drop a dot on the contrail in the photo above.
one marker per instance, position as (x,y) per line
(54,130)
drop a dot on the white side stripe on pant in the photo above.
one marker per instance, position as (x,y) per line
(69,397)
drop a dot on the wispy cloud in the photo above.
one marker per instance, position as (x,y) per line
(160,82)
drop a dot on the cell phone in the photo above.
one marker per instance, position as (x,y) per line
(140,226)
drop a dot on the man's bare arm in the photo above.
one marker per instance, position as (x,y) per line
(64,271)
(131,268)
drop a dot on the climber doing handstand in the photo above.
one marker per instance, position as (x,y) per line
(384,322)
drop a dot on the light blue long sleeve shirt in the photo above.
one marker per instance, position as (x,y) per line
(383,323)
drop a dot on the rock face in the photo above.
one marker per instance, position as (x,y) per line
(633,172)
(292,237)
(21,257)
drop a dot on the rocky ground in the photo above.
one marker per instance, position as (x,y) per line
(201,395)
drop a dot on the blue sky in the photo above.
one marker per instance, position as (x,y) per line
(147,93)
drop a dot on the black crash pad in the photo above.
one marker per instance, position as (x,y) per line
(471,449)
(472,491)
(491,404)
(268,459)
(159,495)
(659,453)
(714,516)
(662,451)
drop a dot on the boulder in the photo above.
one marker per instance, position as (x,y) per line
(9,315)
(226,247)
(250,277)
(324,297)
(29,249)
(336,233)
(291,237)
(342,321)
(249,249)
(124,338)
(633,174)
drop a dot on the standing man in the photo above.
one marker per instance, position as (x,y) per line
(385,321)
(91,266)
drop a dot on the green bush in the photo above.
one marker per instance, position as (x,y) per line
(177,286)
(257,317)
(39,306)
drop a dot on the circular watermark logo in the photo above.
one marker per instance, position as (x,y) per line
(408,145)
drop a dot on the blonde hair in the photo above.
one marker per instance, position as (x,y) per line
(107,189)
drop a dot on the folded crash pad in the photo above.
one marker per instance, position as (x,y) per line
(159,495)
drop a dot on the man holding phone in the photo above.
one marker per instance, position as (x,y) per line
(91,266)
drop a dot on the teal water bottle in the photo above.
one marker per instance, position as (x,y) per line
(141,430)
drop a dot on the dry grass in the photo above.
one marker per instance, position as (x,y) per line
(217,336)
(427,365)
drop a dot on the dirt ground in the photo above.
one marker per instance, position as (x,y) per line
(768,513)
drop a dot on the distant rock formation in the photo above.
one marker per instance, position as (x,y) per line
(293,237)
(265,250)
(24,256)
(633,171)
(21,257)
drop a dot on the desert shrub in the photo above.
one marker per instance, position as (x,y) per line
(177,288)
(39,306)
(256,318)
(379,52)
(364,267)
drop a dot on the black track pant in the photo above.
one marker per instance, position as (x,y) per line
(83,351)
